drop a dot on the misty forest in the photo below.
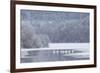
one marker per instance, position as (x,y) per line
(39,28)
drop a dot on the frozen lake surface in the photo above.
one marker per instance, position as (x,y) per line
(56,52)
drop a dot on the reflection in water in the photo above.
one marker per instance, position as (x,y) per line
(54,55)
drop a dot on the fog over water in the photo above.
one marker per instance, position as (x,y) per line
(40,28)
